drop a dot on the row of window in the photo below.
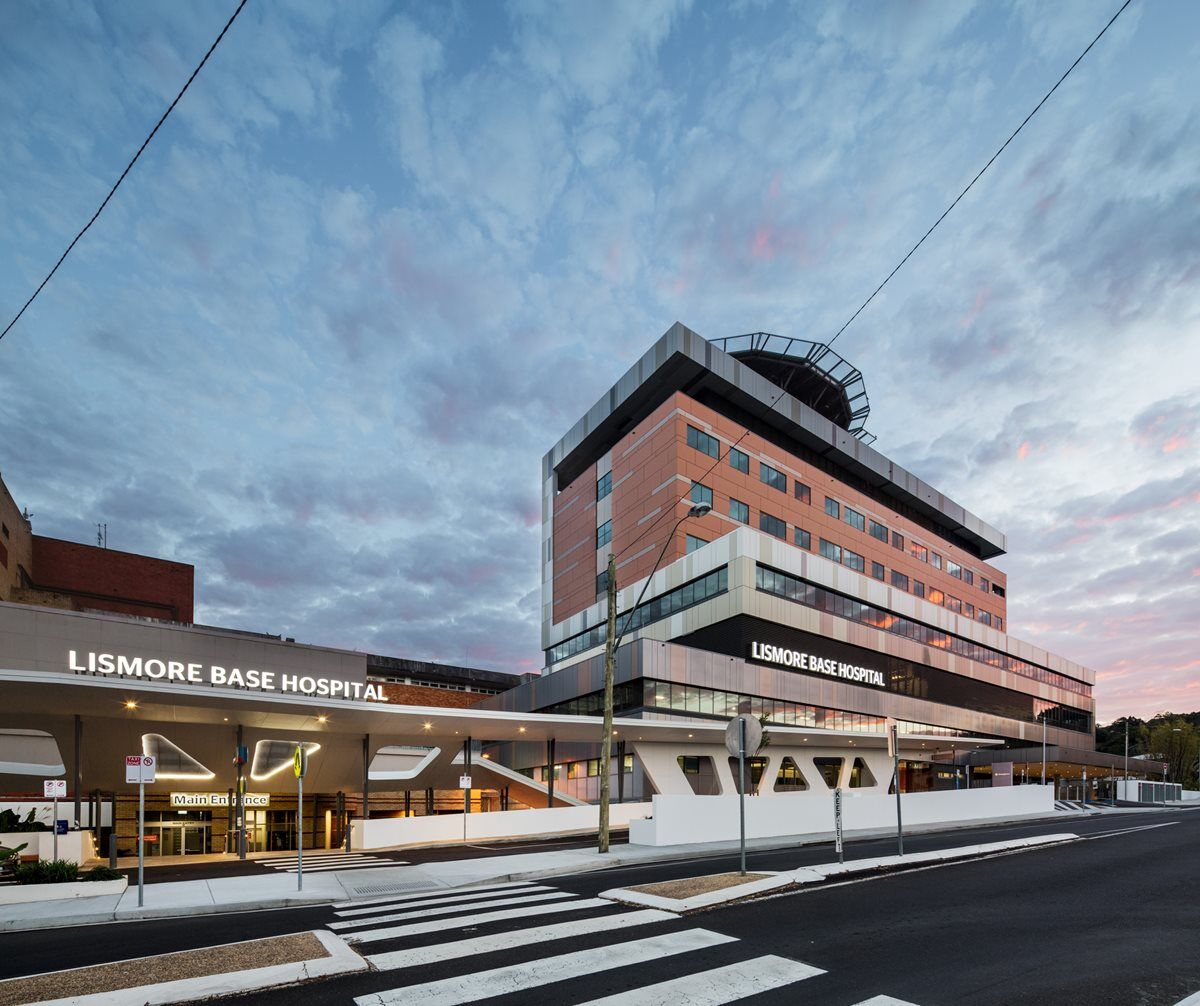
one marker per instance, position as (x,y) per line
(587,769)
(772,525)
(794,589)
(776,479)
(840,554)
(673,697)
(860,522)
(693,592)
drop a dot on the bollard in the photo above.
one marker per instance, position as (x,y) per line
(112,850)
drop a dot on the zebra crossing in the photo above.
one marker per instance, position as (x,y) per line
(327,862)
(594,952)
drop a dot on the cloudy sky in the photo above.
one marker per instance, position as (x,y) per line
(382,256)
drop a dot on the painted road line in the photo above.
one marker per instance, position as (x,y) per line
(443,899)
(331,862)
(462,921)
(419,956)
(344,866)
(471,988)
(718,986)
(453,892)
(424,913)
(884,1001)
(293,860)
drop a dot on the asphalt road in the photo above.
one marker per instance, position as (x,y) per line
(1112,919)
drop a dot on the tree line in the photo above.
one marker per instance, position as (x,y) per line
(1173,738)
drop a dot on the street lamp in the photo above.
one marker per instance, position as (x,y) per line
(612,639)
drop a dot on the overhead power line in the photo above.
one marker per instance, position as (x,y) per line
(945,213)
(128,167)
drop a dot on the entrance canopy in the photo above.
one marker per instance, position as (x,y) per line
(200,724)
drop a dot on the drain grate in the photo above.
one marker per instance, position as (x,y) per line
(412,885)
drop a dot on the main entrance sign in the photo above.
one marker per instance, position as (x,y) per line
(801,661)
(218,799)
(154,669)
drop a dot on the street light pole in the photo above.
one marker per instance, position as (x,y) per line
(1043,748)
(611,641)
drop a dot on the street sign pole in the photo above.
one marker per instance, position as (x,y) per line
(300,833)
(837,821)
(54,821)
(141,839)
(742,789)
(895,738)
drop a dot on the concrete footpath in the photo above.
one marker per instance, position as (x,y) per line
(279,890)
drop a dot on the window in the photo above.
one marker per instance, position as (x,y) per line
(918,588)
(776,480)
(898,540)
(899,580)
(935,560)
(936,596)
(954,569)
(968,577)
(853,560)
(954,603)
(968,609)
(855,520)
(739,460)
(918,551)
(701,494)
(832,507)
(829,550)
(984,585)
(694,543)
(803,538)
(739,511)
(603,486)
(703,442)
(602,583)
(877,570)
(985,617)
(997,590)
(877,530)
(772,525)
(803,493)
(999,623)
(604,534)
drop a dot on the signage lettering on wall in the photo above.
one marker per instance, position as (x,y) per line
(218,800)
(154,669)
(801,661)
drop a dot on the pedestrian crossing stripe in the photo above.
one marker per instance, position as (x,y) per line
(533,974)
(461,921)
(423,913)
(441,899)
(451,893)
(717,986)
(419,956)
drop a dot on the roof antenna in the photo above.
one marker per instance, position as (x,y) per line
(101,535)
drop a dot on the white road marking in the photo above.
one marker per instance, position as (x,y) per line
(460,896)
(452,892)
(376,865)
(518,938)
(471,988)
(1192,1000)
(884,1001)
(718,986)
(424,913)
(462,921)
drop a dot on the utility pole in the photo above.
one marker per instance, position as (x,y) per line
(1125,788)
(612,640)
(610,661)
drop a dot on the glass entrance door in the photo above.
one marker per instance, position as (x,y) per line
(183,839)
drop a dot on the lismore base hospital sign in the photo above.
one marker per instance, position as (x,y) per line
(154,669)
(802,661)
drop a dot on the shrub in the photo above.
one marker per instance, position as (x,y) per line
(102,873)
(47,871)
(10,822)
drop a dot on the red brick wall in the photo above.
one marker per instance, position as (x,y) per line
(108,580)
(662,455)
(575,545)
(417,695)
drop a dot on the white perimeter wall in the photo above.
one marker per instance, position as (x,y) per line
(386,832)
(683,820)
